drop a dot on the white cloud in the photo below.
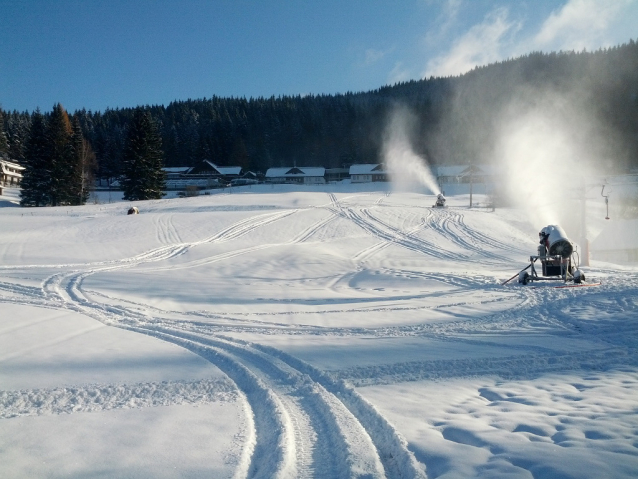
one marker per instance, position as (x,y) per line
(579,24)
(482,44)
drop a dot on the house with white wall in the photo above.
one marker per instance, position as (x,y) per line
(10,173)
(297,175)
(208,169)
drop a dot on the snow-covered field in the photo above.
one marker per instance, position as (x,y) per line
(313,332)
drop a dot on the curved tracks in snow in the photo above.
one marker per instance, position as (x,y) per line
(302,422)
(442,222)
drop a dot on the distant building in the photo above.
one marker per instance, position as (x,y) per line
(251,175)
(10,173)
(208,169)
(368,172)
(205,175)
(248,178)
(304,175)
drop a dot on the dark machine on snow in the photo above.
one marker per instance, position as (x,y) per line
(440,201)
(557,259)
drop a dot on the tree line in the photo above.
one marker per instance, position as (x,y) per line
(60,164)
(58,161)
(455,117)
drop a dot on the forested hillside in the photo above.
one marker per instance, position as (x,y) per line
(456,119)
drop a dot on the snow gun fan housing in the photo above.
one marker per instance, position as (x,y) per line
(555,241)
(557,258)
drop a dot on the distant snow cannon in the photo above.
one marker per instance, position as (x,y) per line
(440,201)
(558,259)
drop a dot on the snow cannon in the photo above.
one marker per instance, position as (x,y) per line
(557,257)
(556,241)
(440,201)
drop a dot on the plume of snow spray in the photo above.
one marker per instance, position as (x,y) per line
(543,159)
(407,169)
(536,164)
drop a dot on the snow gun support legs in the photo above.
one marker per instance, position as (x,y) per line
(553,268)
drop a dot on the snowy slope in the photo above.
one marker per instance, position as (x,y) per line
(335,331)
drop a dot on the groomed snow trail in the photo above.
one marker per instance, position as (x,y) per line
(304,421)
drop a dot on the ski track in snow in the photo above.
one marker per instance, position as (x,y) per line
(309,426)
(446,222)
(305,420)
(167,233)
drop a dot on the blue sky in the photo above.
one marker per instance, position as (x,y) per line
(96,54)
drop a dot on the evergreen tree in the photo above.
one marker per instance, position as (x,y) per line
(59,162)
(143,176)
(4,145)
(17,127)
(36,180)
(59,134)
(82,166)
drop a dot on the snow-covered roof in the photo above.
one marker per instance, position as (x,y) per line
(177,169)
(618,235)
(367,169)
(207,165)
(295,172)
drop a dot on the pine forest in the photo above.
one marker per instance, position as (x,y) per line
(455,122)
